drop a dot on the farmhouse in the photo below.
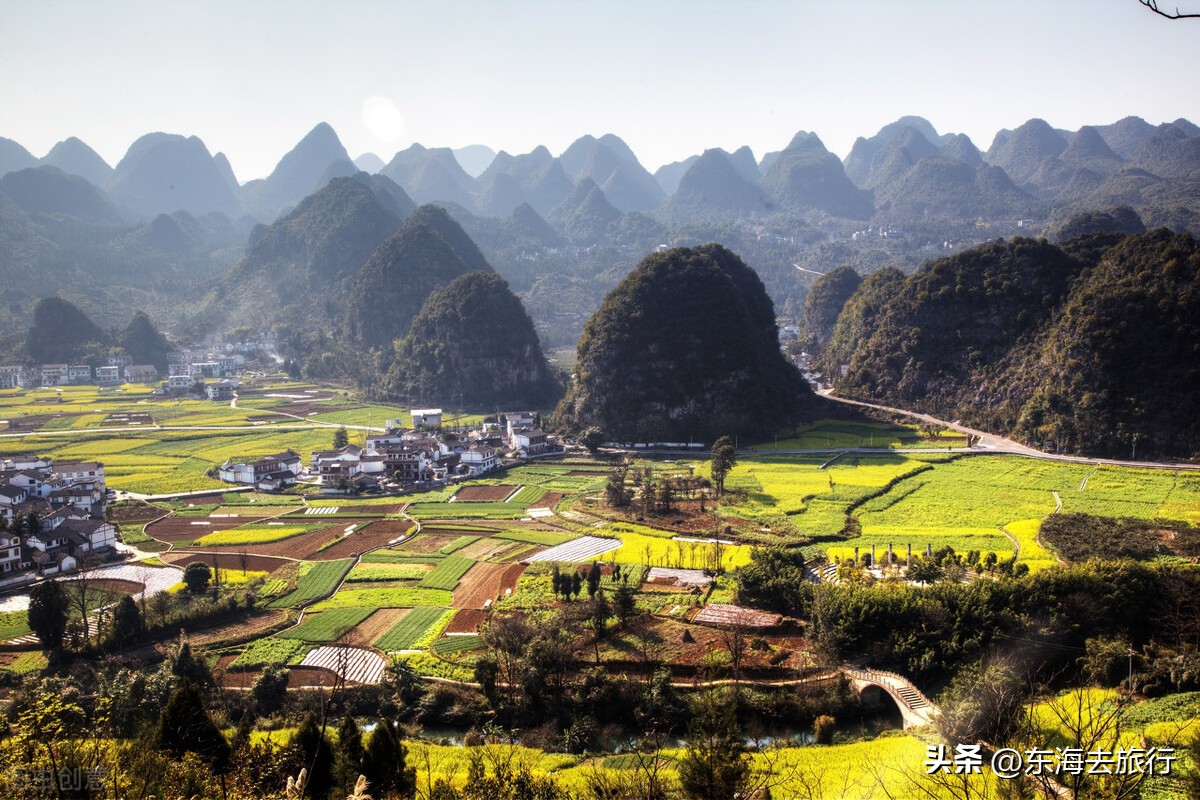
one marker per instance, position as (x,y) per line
(427,417)
(269,473)
(221,390)
(141,373)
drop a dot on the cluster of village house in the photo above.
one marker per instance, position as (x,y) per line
(53,515)
(400,456)
(185,368)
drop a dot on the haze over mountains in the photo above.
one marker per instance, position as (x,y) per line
(906,172)
(308,250)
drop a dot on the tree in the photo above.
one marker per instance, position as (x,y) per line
(576,585)
(600,614)
(197,575)
(349,756)
(593,579)
(724,459)
(624,603)
(715,765)
(924,570)
(317,756)
(592,438)
(340,438)
(187,666)
(384,763)
(615,493)
(270,690)
(1153,6)
(48,605)
(186,727)
(127,622)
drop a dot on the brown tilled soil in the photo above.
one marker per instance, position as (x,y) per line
(225,559)
(377,534)
(116,585)
(467,620)
(549,500)
(30,422)
(483,494)
(376,625)
(428,542)
(142,512)
(300,676)
(485,582)
(301,546)
(237,629)
(483,548)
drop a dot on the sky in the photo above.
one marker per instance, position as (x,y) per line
(671,78)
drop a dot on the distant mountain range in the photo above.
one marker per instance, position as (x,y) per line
(906,174)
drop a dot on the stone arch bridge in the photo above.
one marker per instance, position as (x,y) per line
(915,708)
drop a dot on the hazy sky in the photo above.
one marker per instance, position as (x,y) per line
(671,78)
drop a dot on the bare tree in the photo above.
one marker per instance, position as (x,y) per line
(1153,6)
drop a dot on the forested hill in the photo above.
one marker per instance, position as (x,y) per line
(1090,344)
(685,348)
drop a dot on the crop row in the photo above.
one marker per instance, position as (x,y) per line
(327,626)
(405,634)
(447,574)
(316,580)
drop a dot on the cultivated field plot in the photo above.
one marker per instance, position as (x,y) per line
(376,625)
(270,650)
(427,542)
(229,562)
(175,528)
(316,580)
(447,573)
(681,577)
(354,664)
(484,583)
(411,629)
(466,620)
(453,645)
(580,549)
(466,510)
(326,626)
(736,616)
(398,571)
(378,533)
(544,538)
(482,493)
(301,546)
(250,535)
(387,597)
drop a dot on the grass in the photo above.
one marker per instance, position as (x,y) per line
(387,597)
(316,580)
(832,434)
(447,573)
(326,626)
(253,534)
(406,633)
(29,663)
(400,557)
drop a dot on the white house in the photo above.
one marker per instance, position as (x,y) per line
(427,417)
(79,374)
(54,374)
(141,373)
(269,472)
(10,376)
(478,459)
(221,390)
(75,471)
(108,375)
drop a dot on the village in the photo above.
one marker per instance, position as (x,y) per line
(53,513)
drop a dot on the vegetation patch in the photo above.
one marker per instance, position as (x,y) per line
(253,534)
(447,573)
(405,634)
(387,597)
(271,650)
(326,626)
(317,579)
